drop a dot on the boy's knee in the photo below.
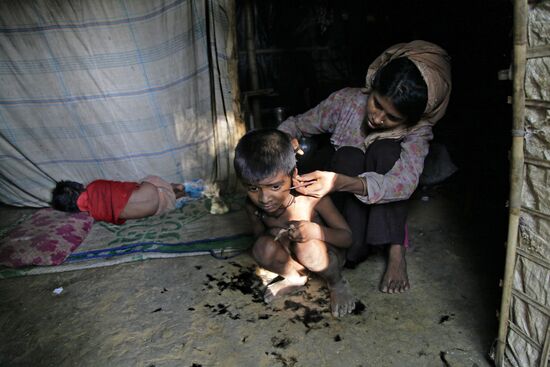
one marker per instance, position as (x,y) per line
(313,255)
(264,249)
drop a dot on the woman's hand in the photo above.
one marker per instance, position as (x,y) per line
(316,184)
(296,145)
(303,231)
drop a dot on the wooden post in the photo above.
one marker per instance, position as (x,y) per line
(233,74)
(233,69)
(516,170)
(252,64)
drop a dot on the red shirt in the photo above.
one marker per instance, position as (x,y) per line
(105,199)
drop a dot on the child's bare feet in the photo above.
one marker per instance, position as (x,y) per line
(395,279)
(342,300)
(265,275)
(179,190)
(285,286)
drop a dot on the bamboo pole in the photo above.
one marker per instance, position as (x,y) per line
(516,170)
(233,69)
(252,63)
(545,349)
(210,42)
(233,74)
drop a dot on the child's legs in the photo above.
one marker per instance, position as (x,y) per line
(312,254)
(178,189)
(272,256)
(320,258)
(327,261)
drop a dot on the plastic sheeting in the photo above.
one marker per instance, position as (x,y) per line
(112,89)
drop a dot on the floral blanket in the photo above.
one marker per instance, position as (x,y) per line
(48,237)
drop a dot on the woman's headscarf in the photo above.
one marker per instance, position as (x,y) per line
(434,65)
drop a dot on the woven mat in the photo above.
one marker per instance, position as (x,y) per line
(188,231)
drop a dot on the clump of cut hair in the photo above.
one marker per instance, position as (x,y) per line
(263,153)
(65,194)
(401,82)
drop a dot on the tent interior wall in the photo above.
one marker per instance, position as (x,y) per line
(117,91)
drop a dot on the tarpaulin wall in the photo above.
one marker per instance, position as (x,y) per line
(113,89)
(527,330)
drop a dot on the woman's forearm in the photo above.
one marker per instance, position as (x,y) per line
(355,185)
(337,237)
(321,183)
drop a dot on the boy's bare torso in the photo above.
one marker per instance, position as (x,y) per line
(302,208)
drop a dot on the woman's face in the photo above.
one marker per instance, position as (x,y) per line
(382,114)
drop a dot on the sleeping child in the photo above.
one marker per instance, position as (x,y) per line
(116,201)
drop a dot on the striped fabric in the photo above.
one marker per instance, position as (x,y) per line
(113,89)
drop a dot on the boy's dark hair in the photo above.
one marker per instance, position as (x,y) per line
(65,195)
(263,153)
(401,82)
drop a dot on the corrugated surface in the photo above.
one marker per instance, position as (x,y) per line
(528,334)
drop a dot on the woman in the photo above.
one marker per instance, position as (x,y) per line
(381,135)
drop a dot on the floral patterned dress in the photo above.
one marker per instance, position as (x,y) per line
(341,115)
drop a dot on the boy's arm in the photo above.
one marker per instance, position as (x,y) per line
(336,230)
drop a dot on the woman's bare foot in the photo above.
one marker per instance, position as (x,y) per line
(285,286)
(395,279)
(342,300)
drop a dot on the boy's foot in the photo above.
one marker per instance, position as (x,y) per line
(395,279)
(285,286)
(342,300)
(265,275)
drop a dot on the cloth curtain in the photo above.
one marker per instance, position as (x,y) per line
(112,89)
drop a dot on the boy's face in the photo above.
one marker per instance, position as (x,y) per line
(271,193)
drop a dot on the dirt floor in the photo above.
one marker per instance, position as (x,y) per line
(202,311)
